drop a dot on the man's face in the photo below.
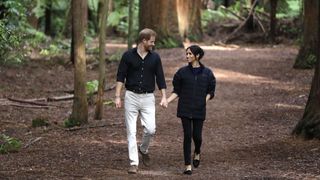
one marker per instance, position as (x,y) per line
(149,44)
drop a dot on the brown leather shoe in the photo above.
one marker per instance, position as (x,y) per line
(145,158)
(133,169)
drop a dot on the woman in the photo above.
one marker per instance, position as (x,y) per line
(194,85)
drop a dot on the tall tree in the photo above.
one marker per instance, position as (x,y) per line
(273,19)
(48,12)
(102,57)
(308,49)
(226,3)
(250,26)
(130,20)
(189,18)
(80,105)
(159,15)
(309,126)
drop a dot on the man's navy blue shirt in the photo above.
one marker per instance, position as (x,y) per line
(140,75)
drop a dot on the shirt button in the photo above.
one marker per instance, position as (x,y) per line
(141,75)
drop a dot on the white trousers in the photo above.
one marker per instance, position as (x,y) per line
(143,105)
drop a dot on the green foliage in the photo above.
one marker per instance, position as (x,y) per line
(71,123)
(9,144)
(118,18)
(10,41)
(92,86)
(215,16)
(40,121)
(288,8)
(311,60)
(11,32)
(168,43)
(116,56)
(59,12)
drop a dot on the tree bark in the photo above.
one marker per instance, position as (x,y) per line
(102,57)
(309,126)
(226,3)
(159,15)
(48,9)
(273,19)
(307,54)
(250,27)
(80,105)
(189,19)
(130,20)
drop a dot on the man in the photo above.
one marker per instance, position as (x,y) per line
(140,68)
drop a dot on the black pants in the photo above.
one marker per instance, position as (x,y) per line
(192,129)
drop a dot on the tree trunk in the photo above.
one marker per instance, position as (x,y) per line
(250,26)
(159,15)
(189,19)
(130,20)
(102,57)
(273,19)
(48,9)
(226,3)
(93,19)
(195,18)
(80,106)
(309,126)
(307,54)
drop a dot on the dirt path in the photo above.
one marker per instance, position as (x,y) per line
(259,99)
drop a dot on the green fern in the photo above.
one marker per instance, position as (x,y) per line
(9,144)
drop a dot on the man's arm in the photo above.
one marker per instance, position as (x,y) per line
(118,94)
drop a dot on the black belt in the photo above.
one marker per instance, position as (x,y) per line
(140,91)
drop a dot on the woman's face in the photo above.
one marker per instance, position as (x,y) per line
(190,57)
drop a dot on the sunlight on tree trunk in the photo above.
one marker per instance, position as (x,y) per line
(309,126)
(102,58)
(189,19)
(80,105)
(307,54)
(159,15)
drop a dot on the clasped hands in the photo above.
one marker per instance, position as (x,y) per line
(164,102)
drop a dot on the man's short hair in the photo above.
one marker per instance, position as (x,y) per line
(146,33)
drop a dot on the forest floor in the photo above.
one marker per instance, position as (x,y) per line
(247,134)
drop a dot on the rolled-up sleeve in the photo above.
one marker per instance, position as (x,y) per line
(176,83)
(160,79)
(122,69)
(212,85)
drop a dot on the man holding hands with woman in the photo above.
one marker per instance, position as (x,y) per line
(140,68)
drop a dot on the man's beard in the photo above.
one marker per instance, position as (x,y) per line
(148,48)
